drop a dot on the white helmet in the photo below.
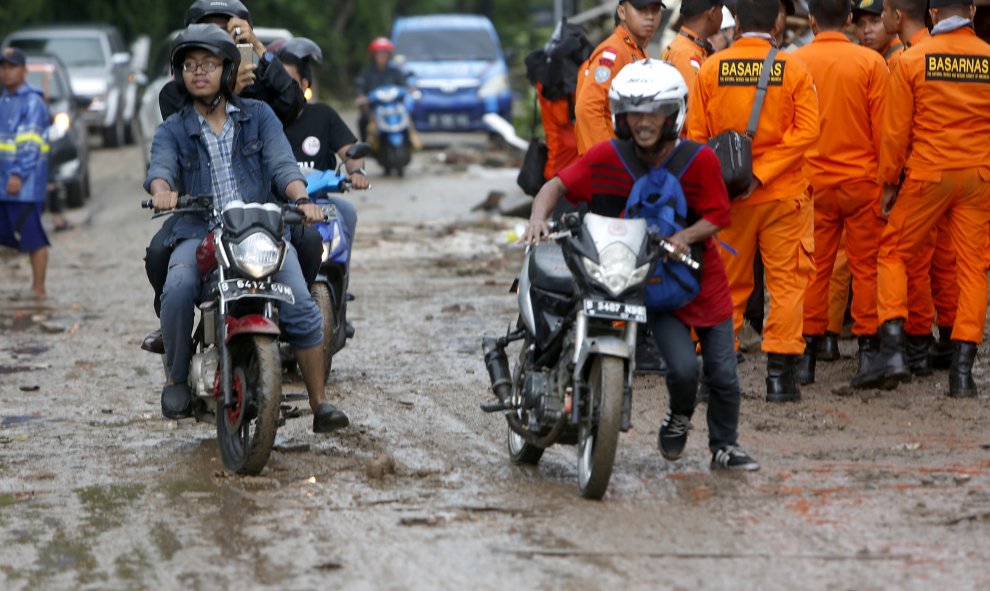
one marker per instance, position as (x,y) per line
(648,86)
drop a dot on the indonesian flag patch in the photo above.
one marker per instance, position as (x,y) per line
(607,58)
(695,62)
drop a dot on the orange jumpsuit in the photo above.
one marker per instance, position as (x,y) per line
(558,128)
(593,116)
(687,52)
(935,126)
(838,289)
(842,169)
(778,216)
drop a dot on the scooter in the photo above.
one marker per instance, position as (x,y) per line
(329,289)
(391,138)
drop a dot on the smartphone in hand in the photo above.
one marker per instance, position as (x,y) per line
(248,56)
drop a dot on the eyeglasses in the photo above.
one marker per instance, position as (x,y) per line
(207,67)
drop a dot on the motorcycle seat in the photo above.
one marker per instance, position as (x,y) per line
(547,269)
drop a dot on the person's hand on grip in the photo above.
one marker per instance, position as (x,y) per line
(165,200)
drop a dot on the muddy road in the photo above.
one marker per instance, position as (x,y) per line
(857,491)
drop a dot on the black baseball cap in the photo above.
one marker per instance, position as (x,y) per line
(12,55)
(944,3)
(643,3)
(867,7)
(694,7)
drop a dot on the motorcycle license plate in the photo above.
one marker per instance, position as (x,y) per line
(235,289)
(615,310)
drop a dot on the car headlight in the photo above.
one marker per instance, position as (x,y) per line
(257,255)
(60,126)
(99,103)
(617,270)
(495,85)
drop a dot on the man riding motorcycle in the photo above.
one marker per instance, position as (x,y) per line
(380,72)
(317,137)
(214,130)
(647,101)
(267,81)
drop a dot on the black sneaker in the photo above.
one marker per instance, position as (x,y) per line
(673,435)
(731,457)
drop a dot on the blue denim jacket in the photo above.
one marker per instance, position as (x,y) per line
(261,157)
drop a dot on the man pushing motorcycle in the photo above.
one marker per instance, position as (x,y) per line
(647,100)
(234,149)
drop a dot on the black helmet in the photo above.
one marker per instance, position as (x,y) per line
(302,49)
(213,39)
(201,9)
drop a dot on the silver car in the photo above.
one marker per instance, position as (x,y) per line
(100,70)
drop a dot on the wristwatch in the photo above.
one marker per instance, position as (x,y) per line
(302,201)
(359,170)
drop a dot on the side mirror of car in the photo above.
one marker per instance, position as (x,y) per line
(358,150)
(120,59)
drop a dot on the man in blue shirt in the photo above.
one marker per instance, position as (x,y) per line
(24,122)
(233,149)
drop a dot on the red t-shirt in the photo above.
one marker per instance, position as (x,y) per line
(600,179)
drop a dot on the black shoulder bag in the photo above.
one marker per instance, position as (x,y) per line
(735,150)
(530,177)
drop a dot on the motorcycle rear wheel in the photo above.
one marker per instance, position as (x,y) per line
(321,294)
(599,435)
(246,432)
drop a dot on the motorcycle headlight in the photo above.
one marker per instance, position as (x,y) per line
(494,85)
(257,255)
(60,126)
(617,270)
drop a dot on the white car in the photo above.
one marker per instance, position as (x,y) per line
(100,70)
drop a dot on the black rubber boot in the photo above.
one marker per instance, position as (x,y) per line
(828,347)
(887,368)
(868,347)
(941,351)
(781,386)
(961,384)
(916,350)
(804,371)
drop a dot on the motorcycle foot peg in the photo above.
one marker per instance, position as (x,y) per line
(495,407)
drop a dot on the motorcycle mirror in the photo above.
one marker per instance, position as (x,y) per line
(358,150)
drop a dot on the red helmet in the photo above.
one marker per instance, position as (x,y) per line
(381,44)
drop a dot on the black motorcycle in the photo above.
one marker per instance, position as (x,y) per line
(580,306)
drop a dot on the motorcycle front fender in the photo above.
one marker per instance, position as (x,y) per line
(611,346)
(250,324)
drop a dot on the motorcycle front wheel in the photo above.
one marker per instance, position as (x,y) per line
(246,431)
(321,295)
(599,433)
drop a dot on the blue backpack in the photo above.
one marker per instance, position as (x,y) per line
(657,197)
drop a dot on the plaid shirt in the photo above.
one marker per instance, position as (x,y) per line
(219,148)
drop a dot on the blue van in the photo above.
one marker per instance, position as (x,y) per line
(457,64)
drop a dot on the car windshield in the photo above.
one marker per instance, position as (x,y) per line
(446,45)
(74,51)
(47,81)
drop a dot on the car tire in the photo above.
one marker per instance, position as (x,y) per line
(115,135)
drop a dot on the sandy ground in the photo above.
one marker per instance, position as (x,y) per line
(857,491)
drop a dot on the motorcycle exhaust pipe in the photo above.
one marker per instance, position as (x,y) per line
(498,368)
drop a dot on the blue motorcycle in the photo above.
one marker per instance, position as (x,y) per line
(391,139)
(329,289)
